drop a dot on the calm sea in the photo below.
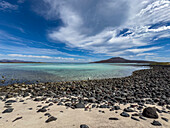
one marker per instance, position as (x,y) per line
(54,72)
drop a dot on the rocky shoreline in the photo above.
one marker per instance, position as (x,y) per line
(143,88)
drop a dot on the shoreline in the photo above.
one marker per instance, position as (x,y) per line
(7,81)
(95,103)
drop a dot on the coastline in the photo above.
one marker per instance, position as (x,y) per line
(90,102)
(30,74)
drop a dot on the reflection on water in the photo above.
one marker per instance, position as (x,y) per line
(53,72)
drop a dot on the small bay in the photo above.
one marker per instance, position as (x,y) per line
(55,72)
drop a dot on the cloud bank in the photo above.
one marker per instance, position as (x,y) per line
(110,27)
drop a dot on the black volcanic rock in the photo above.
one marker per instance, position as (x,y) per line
(51,118)
(156,123)
(121,60)
(18,118)
(79,105)
(150,112)
(9,110)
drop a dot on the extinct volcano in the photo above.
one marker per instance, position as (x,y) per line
(122,60)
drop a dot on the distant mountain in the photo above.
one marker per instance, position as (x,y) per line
(15,61)
(122,60)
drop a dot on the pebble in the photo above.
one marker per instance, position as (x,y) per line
(42,110)
(50,104)
(116,107)
(51,118)
(128,110)
(10,101)
(113,118)
(79,105)
(135,114)
(156,123)
(124,114)
(141,117)
(8,110)
(135,118)
(18,118)
(84,126)
(47,114)
(165,119)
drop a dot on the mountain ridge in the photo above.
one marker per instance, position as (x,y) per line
(122,60)
(16,61)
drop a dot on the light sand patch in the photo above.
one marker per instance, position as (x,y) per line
(70,118)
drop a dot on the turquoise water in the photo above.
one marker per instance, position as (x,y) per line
(53,72)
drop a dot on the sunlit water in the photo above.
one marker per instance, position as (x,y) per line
(53,72)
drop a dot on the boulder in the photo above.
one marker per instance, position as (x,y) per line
(150,112)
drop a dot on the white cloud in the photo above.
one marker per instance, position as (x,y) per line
(143,49)
(7,6)
(30,56)
(159,59)
(19,46)
(97,25)
(41,57)
(159,29)
(144,54)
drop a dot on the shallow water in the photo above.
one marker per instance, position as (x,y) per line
(53,72)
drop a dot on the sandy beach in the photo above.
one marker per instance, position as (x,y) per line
(71,118)
(137,101)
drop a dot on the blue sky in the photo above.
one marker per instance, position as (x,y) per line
(84,30)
